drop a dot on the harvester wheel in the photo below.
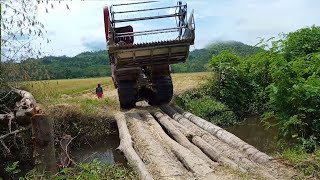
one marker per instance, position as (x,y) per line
(164,91)
(127,94)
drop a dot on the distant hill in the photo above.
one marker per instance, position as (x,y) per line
(198,58)
(96,64)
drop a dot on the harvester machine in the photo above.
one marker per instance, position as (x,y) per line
(140,53)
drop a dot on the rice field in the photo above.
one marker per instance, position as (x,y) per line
(81,92)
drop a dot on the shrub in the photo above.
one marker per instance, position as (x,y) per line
(207,108)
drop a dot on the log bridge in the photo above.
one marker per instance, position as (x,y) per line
(170,143)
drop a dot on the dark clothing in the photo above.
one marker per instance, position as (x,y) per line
(99,90)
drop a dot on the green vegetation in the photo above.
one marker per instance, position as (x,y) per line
(308,164)
(94,170)
(199,103)
(282,82)
(198,58)
(96,64)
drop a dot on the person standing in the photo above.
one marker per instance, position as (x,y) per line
(99,91)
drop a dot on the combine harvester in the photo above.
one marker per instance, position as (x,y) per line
(168,142)
(141,69)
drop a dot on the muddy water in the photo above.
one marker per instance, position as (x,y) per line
(254,132)
(104,151)
(251,131)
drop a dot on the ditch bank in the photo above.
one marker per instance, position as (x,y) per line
(93,137)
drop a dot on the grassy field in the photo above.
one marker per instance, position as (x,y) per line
(81,92)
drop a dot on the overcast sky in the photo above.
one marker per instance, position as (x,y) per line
(81,28)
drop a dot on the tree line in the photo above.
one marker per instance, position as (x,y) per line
(96,64)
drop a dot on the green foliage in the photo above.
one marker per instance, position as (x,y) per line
(207,107)
(95,170)
(283,81)
(232,85)
(198,58)
(13,169)
(96,64)
(301,43)
(84,65)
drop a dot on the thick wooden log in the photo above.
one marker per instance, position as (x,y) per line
(43,144)
(180,138)
(227,137)
(221,147)
(191,161)
(181,128)
(158,158)
(204,146)
(27,101)
(224,149)
(213,154)
(126,147)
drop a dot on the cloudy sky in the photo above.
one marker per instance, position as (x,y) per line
(81,27)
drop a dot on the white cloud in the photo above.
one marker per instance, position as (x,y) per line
(72,31)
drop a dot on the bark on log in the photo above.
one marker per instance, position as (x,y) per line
(211,152)
(221,147)
(191,161)
(181,128)
(126,147)
(227,137)
(27,101)
(204,146)
(24,109)
(43,144)
(158,158)
(180,138)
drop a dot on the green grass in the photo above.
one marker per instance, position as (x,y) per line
(80,92)
(52,89)
(94,170)
(306,163)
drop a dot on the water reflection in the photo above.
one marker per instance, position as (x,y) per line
(254,132)
(104,151)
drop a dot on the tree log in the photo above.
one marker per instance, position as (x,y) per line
(204,146)
(180,138)
(227,137)
(157,156)
(27,101)
(224,149)
(43,144)
(181,128)
(221,147)
(126,147)
(191,161)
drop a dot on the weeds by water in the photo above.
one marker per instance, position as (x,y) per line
(94,170)
(308,164)
(206,107)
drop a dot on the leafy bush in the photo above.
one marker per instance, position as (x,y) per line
(206,107)
(95,170)
(283,81)
(232,85)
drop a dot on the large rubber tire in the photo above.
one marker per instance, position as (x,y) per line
(127,94)
(164,91)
